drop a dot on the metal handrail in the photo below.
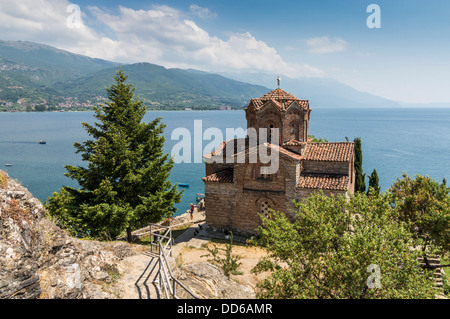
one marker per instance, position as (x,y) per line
(165,273)
(166,235)
(165,280)
(174,280)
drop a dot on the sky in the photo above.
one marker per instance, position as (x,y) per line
(406,57)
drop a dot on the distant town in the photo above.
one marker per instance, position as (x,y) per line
(65,104)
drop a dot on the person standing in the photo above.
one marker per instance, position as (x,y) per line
(192,211)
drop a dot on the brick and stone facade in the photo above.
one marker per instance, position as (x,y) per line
(238,186)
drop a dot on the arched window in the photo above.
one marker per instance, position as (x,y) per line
(293,130)
(264,208)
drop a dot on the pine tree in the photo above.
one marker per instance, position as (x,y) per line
(125,184)
(374,182)
(360,184)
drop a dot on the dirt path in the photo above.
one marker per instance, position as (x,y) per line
(137,283)
(195,251)
(189,247)
(140,270)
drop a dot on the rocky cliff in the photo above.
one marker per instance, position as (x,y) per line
(39,260)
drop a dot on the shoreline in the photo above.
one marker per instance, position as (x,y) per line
(76,111)
(242,109)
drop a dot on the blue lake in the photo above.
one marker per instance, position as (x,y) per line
(393,141)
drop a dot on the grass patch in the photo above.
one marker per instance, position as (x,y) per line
(225,241)
(229,263)
(3,180)
(113,272)
(179,231)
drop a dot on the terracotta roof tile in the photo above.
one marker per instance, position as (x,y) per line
(224,176)
(294,142)
(323,181)
(280,98)
(258,103)
(234,147)
(230,147)
(286,152)
(329,152)
(278,94)
(281,150)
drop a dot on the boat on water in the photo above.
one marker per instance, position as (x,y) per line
(183,185)
(42,142)
(8,164)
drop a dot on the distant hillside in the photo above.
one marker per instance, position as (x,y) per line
(29,70)
(47,64)
(321,92)
(163,88)
(33,75)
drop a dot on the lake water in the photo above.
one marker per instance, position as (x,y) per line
(393,141)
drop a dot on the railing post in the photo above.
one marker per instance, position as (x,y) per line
(165,273)
(151,238)
(174,289)
(161,277)
(171,241)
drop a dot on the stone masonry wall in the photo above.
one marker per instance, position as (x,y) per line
(220,201)
(235,206)
(326,167)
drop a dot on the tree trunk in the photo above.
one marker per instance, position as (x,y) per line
(129,237)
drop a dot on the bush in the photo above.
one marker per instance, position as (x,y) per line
(328,250)
(229,263)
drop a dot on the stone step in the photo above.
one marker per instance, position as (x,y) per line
(424,265)
(431,261)
(139,279)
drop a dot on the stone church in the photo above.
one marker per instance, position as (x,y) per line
(237,189)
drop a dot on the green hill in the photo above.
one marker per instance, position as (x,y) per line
(33,74)
(47,64)
(28,72)
(163,88)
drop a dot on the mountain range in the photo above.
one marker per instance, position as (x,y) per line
(37,77)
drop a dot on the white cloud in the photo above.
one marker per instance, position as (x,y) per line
(201,12)
(326,45)
(42,21)
(162,35)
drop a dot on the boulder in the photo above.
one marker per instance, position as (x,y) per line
(206,280)
(39,260)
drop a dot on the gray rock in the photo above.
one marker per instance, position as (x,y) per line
(39,260)
(208,281)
